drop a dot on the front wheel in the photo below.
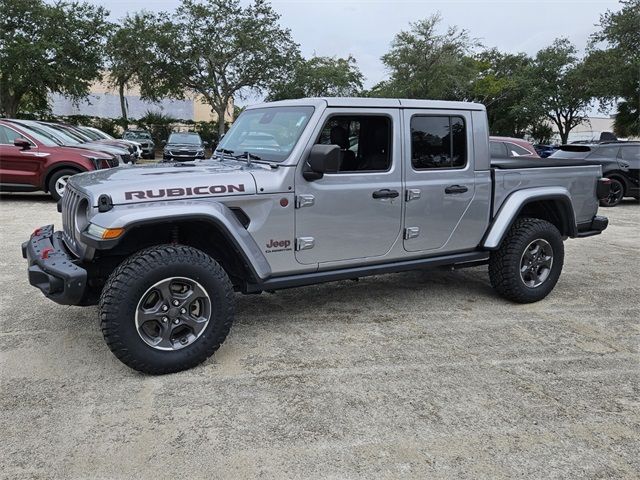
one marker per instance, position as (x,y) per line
(58,182)
(166,309)
(529,261)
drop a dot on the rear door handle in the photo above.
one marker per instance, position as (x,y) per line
(385,193)
(455,189)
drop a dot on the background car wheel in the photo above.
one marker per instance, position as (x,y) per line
(166,309)
(616,194)
(58,182)
(529,261)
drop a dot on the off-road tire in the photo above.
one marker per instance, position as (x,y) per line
(129,282)
(505,263)
(51,183)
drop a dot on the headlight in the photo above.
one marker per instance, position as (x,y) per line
(104,233)
(95,160)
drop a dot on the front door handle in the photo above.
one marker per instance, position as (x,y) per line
(456,189)
(385,193)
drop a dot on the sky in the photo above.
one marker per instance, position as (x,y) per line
(366,28)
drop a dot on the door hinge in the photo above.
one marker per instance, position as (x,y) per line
(304,243)
(305,200)
(411,232)
(412,194)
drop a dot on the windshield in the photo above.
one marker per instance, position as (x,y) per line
(270,133)
(136,135)
(186,138)
(46,140)
(47,130)
(90,133)
(44,131)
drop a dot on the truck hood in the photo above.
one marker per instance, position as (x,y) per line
(168,181)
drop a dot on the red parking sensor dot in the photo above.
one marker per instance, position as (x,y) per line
(45,252)
(284,202)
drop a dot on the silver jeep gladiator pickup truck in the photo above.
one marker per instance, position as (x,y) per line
(301,192)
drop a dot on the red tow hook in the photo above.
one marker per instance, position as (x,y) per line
(45,253)
(37,231)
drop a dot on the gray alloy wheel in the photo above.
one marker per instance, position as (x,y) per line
(61,184)
(616,193)
(173,313)
(536,263)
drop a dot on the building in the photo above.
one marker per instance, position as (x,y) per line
(589,130)
(104,101)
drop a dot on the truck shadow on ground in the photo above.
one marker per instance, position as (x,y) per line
(35,197)
(434,288)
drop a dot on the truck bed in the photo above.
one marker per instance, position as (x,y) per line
(579,177)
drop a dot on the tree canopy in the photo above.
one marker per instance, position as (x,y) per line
(132,49)
(426,64)
(45,48)
(221,50)
(612,66)
(319,77)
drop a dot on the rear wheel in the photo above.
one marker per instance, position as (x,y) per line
(166,309)
(58,182)
(529,261)
(616,194)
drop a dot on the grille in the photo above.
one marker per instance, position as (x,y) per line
(71,200)
(126,157)
(182,153)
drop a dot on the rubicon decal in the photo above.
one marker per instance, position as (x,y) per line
(183,191)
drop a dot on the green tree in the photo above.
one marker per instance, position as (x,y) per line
(425,64)
(319,77)
(559,86)
(221,50)
(48,48)
(132,52)
(613,66)
(504,85)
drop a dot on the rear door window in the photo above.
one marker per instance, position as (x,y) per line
(631,152)
(498,149)
(438,142)
(610,152)
(517,150)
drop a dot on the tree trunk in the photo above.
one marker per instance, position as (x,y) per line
(10,105)
(220,111)
(564,136)
(123,102)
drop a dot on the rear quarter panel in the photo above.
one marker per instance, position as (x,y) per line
(581,182)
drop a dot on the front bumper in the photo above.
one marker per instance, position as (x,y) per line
(52,268)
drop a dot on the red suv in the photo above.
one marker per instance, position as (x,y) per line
(31,161)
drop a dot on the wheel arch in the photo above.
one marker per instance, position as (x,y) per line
(550,204)
(209,226)
(56,167)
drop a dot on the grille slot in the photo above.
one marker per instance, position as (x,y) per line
(70,201)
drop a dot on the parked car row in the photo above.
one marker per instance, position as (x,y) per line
(43,156)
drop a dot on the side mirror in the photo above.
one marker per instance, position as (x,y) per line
(322,159)
(164,142)
(206,144)
(22,143)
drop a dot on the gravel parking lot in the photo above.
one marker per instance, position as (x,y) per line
(415,375)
